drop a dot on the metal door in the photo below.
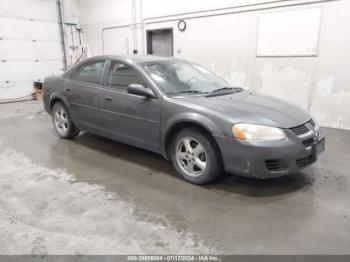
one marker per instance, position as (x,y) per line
(160,42)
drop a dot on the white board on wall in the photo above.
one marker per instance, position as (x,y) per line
(289,33)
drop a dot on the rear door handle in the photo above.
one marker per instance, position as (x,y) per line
(68,89)
(108,99)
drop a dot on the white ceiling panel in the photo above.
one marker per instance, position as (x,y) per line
(14,50)
(28,71)
(28,30)
(30,46)
(29,9)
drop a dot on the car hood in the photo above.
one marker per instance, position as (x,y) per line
(253,108)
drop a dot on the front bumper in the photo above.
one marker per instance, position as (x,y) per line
(267,159)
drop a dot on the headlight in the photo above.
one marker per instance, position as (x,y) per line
(257,132)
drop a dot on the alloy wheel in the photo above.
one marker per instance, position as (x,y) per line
(191,156)
(61,121)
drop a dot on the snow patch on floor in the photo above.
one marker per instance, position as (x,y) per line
(44,211)
(28,110)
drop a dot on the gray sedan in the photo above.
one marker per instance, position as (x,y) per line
(186,113)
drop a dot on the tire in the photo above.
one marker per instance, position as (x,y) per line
(195,156)
(62,122)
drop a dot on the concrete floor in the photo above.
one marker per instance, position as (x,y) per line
(95,196)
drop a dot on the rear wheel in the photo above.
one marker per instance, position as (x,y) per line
(195,156)
(62,122)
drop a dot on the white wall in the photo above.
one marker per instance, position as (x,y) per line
(226,42)
(30,45)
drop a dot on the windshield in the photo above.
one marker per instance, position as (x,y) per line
(183,78)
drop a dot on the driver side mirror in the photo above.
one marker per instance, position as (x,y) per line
(140,90)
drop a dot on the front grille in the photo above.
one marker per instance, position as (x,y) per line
(302,129)
(275,164)
(304,161)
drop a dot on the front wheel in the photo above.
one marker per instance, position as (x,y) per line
(62,122)
(195,156)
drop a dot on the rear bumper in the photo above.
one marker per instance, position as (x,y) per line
(267,159)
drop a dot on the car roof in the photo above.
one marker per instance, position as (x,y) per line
(134,58)
(131,59)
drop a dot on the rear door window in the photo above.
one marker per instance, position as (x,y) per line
(89,73)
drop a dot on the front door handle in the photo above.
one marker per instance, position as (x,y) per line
(68,89)
(108,99)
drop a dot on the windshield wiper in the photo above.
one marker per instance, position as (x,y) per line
(225,90)
(187,92)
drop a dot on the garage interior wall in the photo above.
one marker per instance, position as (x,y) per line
(225,40)
(30,45)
